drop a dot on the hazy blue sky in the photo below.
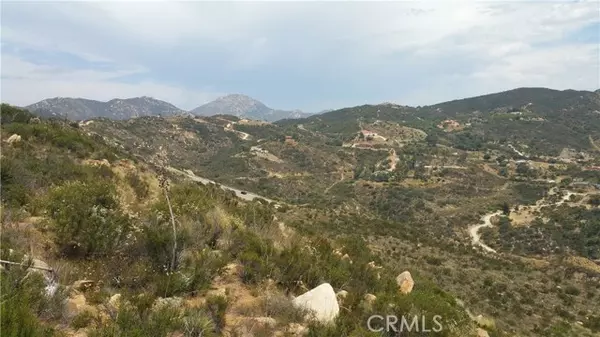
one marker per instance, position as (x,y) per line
(305,55)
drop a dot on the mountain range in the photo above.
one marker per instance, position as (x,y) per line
(498,192)
(80,109)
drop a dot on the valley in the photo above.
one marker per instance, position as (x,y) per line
(495,214)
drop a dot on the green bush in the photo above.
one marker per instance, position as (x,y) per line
(10,114)
(86,218)
(194,274)
(217,307)
(140,187)
(132,323)
(23,301)
(82,320)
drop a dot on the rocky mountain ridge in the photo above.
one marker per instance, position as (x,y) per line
(245,107)
(81,109)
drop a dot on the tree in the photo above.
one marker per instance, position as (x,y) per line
(431,139)
(401,171)
(594,200)
(506,208)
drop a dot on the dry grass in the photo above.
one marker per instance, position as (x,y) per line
(582,262)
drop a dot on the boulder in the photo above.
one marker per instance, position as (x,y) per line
(77,304)
(346,257)
(405,282)
(114,302)
(82,285)
(14,138)
(320,301)
(370,298)
(482,333)
(341,294)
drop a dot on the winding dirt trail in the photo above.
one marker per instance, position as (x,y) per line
(486,219)
(474,231)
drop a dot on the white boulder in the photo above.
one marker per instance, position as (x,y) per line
(14,138)
(321,302)
(405,282)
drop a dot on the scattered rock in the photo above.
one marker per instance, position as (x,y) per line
(77,304)
(114,302)
(168,301)
(346,257)
(370,298)
(296,329)
(270,284)
(405,282)
(373,265)
(82,285)
(341,294)
(14,138)
(221,292)
(482,333)
(321,301)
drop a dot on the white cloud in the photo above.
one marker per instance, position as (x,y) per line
(25,83)
(506,44)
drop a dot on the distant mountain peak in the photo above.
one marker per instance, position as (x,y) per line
(244,106)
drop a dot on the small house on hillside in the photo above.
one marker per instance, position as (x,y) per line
(289,140)
(367,133)
(449,124)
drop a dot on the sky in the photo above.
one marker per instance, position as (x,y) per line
(310,55)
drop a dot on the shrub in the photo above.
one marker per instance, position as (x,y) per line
(140,187)
(86,218)
(158,243)
(193,275)
(572,290)
(10,114)
(82,320)
(217,307)
(23,300)
(197,323)
(130,322)
(281,308)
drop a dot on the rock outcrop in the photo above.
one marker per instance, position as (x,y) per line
(321,302)
(405,282)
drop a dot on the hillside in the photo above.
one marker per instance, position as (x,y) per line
(83,109)
(492,208)
(416,183)
(105,264)
(243,106)
(541,121)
